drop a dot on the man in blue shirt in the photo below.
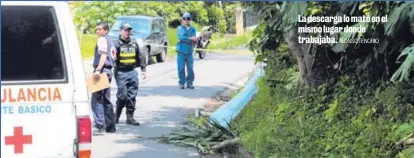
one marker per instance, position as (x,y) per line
(185,48)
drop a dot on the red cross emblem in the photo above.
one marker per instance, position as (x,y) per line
(18,140)
(113,53)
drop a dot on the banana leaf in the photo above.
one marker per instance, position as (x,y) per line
(404,70)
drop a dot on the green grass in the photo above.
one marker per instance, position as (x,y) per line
(87,45)
(232,42)
(257,110)
(172,40)
(281,123)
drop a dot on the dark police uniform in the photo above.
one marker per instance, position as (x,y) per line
(101,103)
(128,57)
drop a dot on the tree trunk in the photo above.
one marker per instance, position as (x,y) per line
(313,67)
(299,51)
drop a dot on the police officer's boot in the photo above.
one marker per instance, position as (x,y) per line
(130,114)
(120,104)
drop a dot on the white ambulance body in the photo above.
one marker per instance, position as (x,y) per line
(45,112)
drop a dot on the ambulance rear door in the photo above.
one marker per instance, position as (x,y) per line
(38,117)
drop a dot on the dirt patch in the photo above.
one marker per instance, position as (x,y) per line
(213,104)
(221,98)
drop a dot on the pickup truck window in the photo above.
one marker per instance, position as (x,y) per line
(138,25)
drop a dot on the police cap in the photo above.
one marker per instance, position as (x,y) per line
(125,27)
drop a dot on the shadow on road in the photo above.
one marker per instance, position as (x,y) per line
(153,124)
(226,57)
(199,92)
(152,150)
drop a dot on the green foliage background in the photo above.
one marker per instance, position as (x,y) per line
(363,101)
(87,14)
(333,120)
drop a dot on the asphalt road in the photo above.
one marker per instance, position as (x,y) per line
(162,106)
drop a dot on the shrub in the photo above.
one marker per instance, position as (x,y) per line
(337,119)
(217,18)
(230,14)
(87,14)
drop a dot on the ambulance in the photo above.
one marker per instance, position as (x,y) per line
(45,112)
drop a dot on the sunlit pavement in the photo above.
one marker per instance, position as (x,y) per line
(162,106)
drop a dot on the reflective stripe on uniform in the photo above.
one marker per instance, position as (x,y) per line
(127,61)
(127,54)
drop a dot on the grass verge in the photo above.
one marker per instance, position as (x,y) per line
(87,45)
(333,120)
(230,42)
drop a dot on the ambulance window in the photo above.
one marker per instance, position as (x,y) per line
(31,46)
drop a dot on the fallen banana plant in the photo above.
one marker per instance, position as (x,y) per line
(207,137)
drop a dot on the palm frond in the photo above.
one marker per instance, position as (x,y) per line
(292,11)
(404,70)
(397,18)
(344,36)
(294,80)
(202,136)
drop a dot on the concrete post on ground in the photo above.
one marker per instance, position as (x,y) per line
(239,21)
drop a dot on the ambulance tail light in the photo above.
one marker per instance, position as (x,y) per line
(85,130)
(84,136)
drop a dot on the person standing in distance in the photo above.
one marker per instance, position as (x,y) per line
(128,57)
(103,62)
(185,47)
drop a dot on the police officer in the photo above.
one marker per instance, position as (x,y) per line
(128,57)
(103,62)
(185,46)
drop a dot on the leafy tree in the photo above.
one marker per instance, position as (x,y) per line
(217,18)
(87,14)
(317,63)
(230,14)
(343,104)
